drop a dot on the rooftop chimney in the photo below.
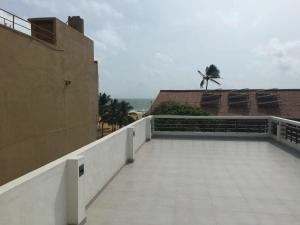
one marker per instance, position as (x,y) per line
(77,23)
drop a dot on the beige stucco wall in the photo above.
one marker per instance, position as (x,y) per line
(41,119)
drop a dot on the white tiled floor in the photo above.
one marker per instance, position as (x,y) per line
(206,181)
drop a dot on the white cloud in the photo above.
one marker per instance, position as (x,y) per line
(109,39)
(230,19)
(83,7)
(283,55)
(49,5)
(164,58)
(259,20)
(95,8)
(131,1)
(150,70)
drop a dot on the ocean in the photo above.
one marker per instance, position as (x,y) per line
(139,104)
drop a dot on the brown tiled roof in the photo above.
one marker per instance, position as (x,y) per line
(288,102)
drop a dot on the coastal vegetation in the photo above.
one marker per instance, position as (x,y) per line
(113,112)
(181,124)
(211,74)
(175,108)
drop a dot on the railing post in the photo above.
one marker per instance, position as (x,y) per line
(278,131)
(130,150)
(148,128)
(76,214)
(152,125)
(269,127)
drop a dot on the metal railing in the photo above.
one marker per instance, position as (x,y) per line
(211,124)
(273,128)
(283,130)
(17,23)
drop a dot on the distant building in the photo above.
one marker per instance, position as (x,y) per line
(48,92)
(247,102)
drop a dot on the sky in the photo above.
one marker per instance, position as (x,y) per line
(143,46)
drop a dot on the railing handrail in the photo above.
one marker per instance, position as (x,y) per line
(13,15)
(208,117)
(51,34)
(274,118)
(279,119)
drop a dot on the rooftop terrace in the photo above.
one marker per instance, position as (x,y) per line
(194,170)
(203,181)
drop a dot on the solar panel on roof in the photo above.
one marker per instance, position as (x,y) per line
(238,98)
(210,99)
(267,98)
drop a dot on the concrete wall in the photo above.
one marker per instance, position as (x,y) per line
(104,158)
(40,197)
(140,134)
(41,118)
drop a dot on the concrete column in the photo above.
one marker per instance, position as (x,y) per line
(76,214)
(130,150)
(278,131)
(148,129)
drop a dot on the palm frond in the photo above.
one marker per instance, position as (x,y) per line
(214,76)
(215,81)
(202,83)
(201,73)
(206,70)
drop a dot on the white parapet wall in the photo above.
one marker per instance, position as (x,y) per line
(140,135)
(103,159)
(36,198)
(41,197)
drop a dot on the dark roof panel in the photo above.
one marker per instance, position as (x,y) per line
(277,102)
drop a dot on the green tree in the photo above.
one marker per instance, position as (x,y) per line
(123,118)
(118,113)
(211,74)
(104,109)
(113,113)
(173,124)
(174,108)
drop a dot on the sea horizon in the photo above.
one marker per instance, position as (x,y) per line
(139,104)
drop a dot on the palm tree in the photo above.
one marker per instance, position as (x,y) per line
(211,73)
(113,113)
(104,101)
(123,118)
